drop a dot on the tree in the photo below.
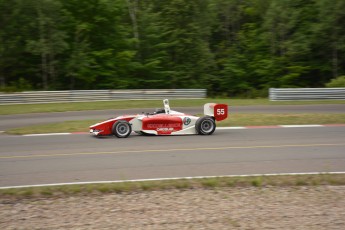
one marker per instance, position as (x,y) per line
(100,52)
(15,63)
(230,47)
(50,39)
(336,82)
(242,52)
(329,39)
(185,57)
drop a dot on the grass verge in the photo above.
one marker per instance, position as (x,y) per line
(181,184)
(282,119)
(233,120)
(128,104)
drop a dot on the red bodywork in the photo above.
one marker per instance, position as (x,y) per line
(166,122)
(220,112)
(106,126)
(163,124)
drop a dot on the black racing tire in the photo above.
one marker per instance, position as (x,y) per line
(121,129)
(205,125)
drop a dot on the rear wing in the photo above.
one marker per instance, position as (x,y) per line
(218,111)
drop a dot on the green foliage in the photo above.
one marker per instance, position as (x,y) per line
(20,85)
(257,182)
(337,82)
(231,47)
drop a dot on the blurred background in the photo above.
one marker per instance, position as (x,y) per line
(229,47)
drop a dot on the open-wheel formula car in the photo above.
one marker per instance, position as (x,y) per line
(163,122)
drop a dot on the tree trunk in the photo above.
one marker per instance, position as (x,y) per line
(2,80)
(44,71)
(52,71)
(133,9)
(72,82)
(2,75)
(335,61)
(335,52)
(44,58)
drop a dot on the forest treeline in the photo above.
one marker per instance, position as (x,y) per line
(230,47)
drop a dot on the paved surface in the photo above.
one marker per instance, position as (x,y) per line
(13,121)
(75,158)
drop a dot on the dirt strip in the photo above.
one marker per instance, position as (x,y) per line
(302,207)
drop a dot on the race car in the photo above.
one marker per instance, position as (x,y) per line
(163,122)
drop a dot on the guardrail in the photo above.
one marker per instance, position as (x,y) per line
(34,97)
(291,94)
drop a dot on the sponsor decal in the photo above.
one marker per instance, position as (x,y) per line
(165,129)
(157,126)
(186,121)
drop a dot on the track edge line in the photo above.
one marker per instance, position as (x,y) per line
(165,179)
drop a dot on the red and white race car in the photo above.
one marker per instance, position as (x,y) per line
(163,122)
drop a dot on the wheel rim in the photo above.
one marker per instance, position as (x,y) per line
(122,129)
(207,126)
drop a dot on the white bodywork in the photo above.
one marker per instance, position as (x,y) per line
(162,122)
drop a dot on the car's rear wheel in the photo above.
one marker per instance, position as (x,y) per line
(205,125)
(122,129)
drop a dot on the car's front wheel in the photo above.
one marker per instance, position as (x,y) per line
(205,125)
(122,129)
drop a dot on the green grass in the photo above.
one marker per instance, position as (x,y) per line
(182,184)
(127,104)
(61,127)
(233,120)
(282,119)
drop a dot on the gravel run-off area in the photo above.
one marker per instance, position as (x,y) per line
(300,207)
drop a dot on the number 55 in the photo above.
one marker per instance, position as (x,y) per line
(220,111)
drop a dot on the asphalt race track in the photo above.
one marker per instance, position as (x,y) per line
(77,158)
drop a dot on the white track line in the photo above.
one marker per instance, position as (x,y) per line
(300,126)
(235,127)
(46,134)
(165,179)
